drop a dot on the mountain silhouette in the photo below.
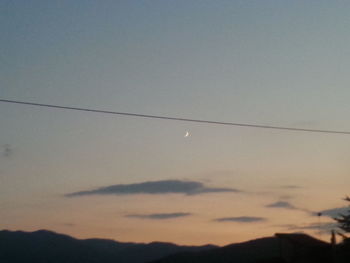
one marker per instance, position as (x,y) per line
(252,251)
(281,248)
(44,246)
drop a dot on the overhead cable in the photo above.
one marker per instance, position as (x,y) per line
(162,117)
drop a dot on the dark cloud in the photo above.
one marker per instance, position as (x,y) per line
(241,219)
(154,187)
(320,228)
(291,186)
(287,205)
(6,150)
(334,212)
(281,204)
(159,216)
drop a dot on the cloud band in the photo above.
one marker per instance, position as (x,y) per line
(154,187)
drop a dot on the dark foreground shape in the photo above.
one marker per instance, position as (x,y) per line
(48,247)
(283,248)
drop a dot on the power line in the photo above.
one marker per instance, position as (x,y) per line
(284,128)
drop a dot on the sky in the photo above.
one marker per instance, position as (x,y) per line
(282,63)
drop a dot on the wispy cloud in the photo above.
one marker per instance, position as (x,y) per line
(320,228)
(154,187)
(287,205)
(334,212)
(281,204)
(290,186)
(241,219)
(160,216)
(6,150)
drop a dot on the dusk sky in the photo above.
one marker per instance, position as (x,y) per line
(280,63)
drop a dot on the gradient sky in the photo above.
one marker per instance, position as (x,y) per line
(266,62)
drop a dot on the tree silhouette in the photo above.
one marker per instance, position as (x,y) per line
(344,220)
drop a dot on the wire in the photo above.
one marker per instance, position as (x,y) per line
(283,128)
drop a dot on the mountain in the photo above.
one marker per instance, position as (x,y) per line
(291,247)
(48,247)
(259,250)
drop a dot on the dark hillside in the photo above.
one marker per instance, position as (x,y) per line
(48,247)
(251,251)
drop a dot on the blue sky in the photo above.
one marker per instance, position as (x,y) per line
(266,62)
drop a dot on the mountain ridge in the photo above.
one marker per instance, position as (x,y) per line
(48,246)
(44,246)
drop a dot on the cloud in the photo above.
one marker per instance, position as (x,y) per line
(161,216)
(281,204)
(291,186)
(287,205)
(241,219)
(6,150)
(154,187)
(320,228)
(334,212)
